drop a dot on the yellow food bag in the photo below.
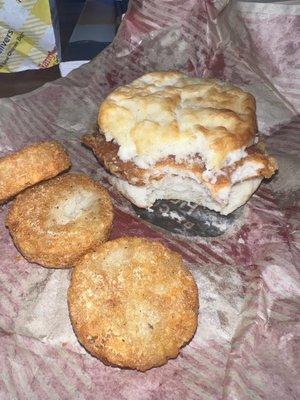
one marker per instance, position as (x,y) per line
(27,38)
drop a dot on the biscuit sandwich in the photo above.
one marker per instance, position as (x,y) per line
(170,136)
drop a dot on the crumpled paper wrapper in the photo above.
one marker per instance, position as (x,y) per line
(26,35)
(246,343)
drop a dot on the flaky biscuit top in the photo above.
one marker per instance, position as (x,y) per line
(168,113)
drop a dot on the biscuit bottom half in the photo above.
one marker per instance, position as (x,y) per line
(181,188)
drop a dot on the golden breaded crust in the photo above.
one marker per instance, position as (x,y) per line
(169,113)
(107,155)
(133,303)
(29,166)
(56,222)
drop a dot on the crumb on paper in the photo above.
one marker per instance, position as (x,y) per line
(173,215)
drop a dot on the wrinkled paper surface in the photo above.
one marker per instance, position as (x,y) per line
(247,342)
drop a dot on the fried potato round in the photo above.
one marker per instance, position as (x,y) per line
(29,166)
(133,303)
(56,222)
